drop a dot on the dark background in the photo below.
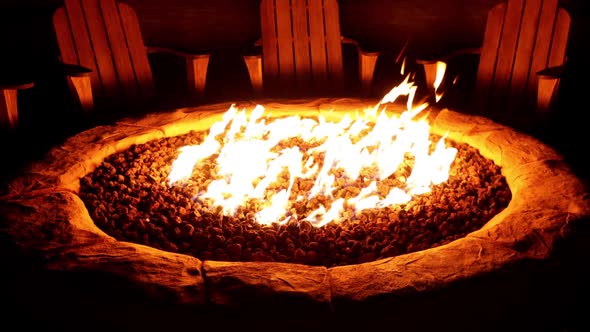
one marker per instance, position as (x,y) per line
(550,293)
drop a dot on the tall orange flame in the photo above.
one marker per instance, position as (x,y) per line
(251,156)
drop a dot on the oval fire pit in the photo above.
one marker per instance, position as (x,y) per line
(46,219)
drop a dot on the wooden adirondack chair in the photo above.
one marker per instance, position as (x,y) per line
(8,104)
(302,49)
(520,61)
(106,61)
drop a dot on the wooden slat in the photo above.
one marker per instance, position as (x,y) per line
(105,68)
(138,54)
(333,43)
(560,38)
(269,42)
(119,49)
(489,51)
(506,51)
(63,34)
(318,41)
(285,41)
(517,93)
(542,42)
(301,42)
(81,42)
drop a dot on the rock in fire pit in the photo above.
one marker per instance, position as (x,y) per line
(46,220)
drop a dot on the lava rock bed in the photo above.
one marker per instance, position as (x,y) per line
(129,198)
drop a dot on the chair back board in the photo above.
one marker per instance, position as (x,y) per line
(105,36)
(521,37)
(301,45)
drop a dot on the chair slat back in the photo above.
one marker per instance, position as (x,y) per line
(521,37)
(105,36)
(301,44)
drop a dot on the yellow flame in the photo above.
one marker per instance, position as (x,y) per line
(403,67)
(441,68)
(253,162)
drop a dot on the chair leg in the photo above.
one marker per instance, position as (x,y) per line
(546,93)
(197,72)
(8,109)
(254,65)
(429,72)
(367,62)
(82,86)
(9,104)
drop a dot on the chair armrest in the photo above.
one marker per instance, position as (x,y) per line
(16,86)
(79,82)
(350,41)
(431,66)
(551,72)
(253,50)
(346,40)
(367,62)
(547,86)
(73,70)
(450,56)
(8,102)
(196,67)
(252,57)
(166,50)
(254,65)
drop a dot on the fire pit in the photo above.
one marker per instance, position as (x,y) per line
(47,219)
(296,189)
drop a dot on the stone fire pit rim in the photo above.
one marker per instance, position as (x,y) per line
(45,197)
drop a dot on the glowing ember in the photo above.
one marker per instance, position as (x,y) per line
(257,161)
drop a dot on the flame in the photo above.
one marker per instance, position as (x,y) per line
(256,162)
(402,69)
(441,68)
